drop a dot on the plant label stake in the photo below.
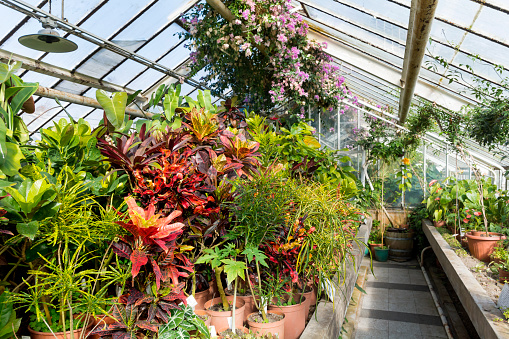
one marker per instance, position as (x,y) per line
(191,302)
(212,330)
(230,320)
(503,300)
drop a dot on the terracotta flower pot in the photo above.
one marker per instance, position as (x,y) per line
(219,319)
(503,276)
(244,329)
(295,319)
(307,300)
(314,295)
(213,291)
(201,298)
(372,248)
(99,322)
(58,335)
(481,246)
(204,312)
(277,327)
(248,302)
(440,223)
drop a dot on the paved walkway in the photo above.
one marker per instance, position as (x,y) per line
(398,304)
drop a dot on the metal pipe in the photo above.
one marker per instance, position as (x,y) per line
(420,34)
(84,101)
(410,29)
(435,298)
(63,74)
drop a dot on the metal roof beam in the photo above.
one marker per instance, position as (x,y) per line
(38,14)
(392,75)
(64,74)
(416,43)
(81,100)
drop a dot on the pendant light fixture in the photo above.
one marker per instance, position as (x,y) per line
(48,39)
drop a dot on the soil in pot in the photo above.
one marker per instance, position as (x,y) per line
(226,332)
(203,315)
(481,246)
(219,318)
(201,298)
(295,318)
(275,326)
(503,276)
(248,301)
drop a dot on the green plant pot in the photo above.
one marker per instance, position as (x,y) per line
(366,251)
(381,254)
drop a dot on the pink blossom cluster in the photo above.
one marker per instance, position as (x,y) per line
(298,69)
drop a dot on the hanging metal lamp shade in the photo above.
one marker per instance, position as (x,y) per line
(48,40)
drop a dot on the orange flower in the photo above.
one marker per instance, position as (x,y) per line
(406,161)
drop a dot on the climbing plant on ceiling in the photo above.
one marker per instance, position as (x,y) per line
(263,54)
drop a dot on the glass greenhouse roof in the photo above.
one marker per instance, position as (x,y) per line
(134,45)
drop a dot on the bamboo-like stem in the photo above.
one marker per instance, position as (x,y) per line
(262,308)
(220,287)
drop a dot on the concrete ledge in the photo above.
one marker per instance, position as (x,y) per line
(328,318)
(479,306)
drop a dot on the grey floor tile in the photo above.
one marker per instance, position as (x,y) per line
(427,310)
(375,324)
(424,303)
(404,328)
(432,331)
(418,281)
(422,295)
(399,279)
(402,306)
(375,305)
(371,334)
(401,295)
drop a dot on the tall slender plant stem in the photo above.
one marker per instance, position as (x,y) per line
(220,287)
(234,304)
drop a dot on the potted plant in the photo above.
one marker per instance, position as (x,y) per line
(63,286)
(375,237)
(155,290)
(220,309)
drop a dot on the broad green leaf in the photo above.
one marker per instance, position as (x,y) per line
(12,162)
(113,106)
(253,252)
(29,229)
(170,104)
(234,269)
(6,70)
(3,142)
(177,316)
(311,141)
(200,325)
(20,130)
(186,325)
(26,91)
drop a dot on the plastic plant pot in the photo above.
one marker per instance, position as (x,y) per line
(381,254)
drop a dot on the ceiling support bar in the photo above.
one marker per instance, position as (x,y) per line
(38,14)
(84,101)
(421,29)
(64,74)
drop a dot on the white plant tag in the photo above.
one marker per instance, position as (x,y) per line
(264,303)
(230,322)
(191,302)
(329,288)
(212,330)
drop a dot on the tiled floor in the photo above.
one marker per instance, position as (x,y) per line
(398,304)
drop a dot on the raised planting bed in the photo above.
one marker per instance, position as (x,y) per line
(328,317)
(482,311)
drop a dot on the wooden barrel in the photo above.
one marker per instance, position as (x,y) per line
(400,245)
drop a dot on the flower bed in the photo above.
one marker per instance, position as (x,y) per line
(483,312)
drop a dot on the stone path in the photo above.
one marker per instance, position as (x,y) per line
(398,304)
